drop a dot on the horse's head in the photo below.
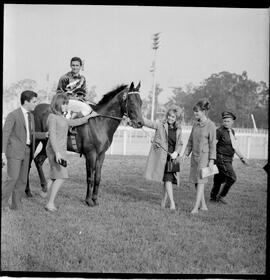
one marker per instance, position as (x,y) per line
(133,104)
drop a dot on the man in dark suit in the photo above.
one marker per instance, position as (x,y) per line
(17,147)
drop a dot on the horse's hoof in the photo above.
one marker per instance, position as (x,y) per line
(90,203)
(28,194)
(96,202)
(44,188)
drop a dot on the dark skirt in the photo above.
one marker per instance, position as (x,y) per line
(169,176)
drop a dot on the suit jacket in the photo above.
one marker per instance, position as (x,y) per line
(14,135)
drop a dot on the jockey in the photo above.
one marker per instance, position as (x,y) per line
(74,85)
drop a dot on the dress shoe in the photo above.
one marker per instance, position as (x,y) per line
(14,207)
(222,200)
(50,209)
(213,199)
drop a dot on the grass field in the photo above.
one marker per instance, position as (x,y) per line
(129,233)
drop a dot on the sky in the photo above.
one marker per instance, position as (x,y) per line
(115,43)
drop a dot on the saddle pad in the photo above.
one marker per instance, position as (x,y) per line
(79,106)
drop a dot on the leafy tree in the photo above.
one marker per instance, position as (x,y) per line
(11,95)
(226,92)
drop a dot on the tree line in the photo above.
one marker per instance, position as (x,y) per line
(226,91)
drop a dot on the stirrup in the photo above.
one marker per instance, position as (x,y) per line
(72,130)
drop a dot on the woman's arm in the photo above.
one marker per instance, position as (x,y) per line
(79,121)
(212,142)
(188,148)
(151,124)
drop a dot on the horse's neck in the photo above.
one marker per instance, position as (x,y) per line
(113,112)
(112,108)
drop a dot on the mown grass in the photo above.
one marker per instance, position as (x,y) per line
(129,233)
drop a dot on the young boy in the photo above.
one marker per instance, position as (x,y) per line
(226,147)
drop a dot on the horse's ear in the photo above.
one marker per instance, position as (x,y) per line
(138,86)
(131,87)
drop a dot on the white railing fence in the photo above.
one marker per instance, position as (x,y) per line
(130,141)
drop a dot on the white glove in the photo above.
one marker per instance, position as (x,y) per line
(174,155)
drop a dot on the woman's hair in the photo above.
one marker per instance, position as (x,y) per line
(202,105)
(179,113)
(57,101)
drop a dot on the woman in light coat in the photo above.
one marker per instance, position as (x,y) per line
(56,148)
(202,145)
(167,144)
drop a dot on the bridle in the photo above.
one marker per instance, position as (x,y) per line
(126,112)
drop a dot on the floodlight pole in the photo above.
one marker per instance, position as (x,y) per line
(155,47)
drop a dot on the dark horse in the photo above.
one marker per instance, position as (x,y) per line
(95,137)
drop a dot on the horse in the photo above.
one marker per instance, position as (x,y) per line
(95,137)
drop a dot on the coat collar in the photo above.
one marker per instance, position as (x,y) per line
(201,124)
(165,124)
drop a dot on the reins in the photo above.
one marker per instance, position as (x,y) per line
(111,117)
(126,106)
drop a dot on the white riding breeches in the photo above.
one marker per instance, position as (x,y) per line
(79,106)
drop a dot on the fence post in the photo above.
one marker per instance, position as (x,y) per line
(265,147)
(248,147)
(125,143)
(130,135)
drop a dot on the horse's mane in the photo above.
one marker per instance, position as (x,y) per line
(108,96)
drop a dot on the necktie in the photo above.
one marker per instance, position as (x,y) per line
(30,127)
(233,139)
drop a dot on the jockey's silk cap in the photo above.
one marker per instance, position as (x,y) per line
(227,114)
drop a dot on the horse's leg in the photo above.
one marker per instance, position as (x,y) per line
(90,159)
(39,160)
(99,164)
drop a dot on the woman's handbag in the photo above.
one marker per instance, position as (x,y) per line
(173,166)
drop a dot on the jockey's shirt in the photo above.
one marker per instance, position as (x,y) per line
(70,82)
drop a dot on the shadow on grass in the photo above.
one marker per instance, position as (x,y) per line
(134,194)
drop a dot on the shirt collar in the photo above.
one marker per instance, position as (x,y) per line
(75,75)
(24,110)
